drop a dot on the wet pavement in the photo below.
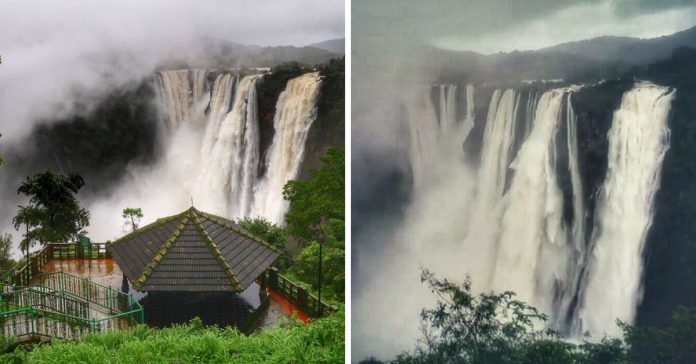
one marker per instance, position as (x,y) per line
(106,272)
(102,271)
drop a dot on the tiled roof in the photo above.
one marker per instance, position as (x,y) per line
(192,251)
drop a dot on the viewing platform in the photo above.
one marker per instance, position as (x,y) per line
(68,290)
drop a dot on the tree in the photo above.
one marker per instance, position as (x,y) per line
(53,213)
(496,328)
(315,201)
(472,329)
(272,234)
(133,217)
(333,261)
(674,343)
(6,261)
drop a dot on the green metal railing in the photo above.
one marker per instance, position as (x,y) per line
(63,306)
(296,294)
(103,296)
(23,273)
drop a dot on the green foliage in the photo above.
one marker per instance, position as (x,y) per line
(331,104)
(495,328)
(54,214)
(322,341)
(333,269)
(315,201)
(675,343)
(476,329)
(6,261)
(132,216)
(272,234)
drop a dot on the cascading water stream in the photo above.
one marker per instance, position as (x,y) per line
(212,144)
(220,101)
(526,221)
(531,226)
(227,178)
(295,112)
(638,141)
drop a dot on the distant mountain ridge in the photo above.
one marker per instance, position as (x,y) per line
(223,53)
(627,49)
(337,46)
(592,59)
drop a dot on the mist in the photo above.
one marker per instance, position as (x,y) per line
(60,59)
(53,53)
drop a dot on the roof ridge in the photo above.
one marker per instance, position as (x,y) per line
(220,220)
(157,223)
(161,253)
(215,250)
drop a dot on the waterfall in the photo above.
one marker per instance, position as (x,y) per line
(493,171)
(423,128)
(220,101)
(182,96)
(295,112)
(212,146)
(526,219)
(531,227)
(173,90)
(448,107)
(468,122)
(518,219)
(638,141)
(227,178)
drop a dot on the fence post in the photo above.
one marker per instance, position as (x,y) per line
(302,298)
(273,278)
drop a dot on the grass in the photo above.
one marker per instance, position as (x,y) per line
(322,341)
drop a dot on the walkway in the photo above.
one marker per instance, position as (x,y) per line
(106,272)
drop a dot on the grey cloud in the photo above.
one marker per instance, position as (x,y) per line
(629,8)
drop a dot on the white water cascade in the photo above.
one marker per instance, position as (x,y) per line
(533,249)
(492,176)
(638,141)
(210,149)
(295,112)
(522,228)
(230,170)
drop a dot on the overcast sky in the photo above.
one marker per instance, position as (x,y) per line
(505,25)
(51,48)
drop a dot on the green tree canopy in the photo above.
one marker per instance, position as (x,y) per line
(316,201)
(6,261)
(53,213)
(133,216)
(495,328)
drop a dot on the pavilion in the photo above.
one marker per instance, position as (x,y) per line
(195,264)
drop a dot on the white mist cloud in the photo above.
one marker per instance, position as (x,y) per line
(56,54)
(51,49)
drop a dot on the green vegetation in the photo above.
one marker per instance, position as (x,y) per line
(53,215)
(133,217)
(306,268)
(331,104)
(6,261)
(316,201)
(316,216)
(322,341)
(497,328)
